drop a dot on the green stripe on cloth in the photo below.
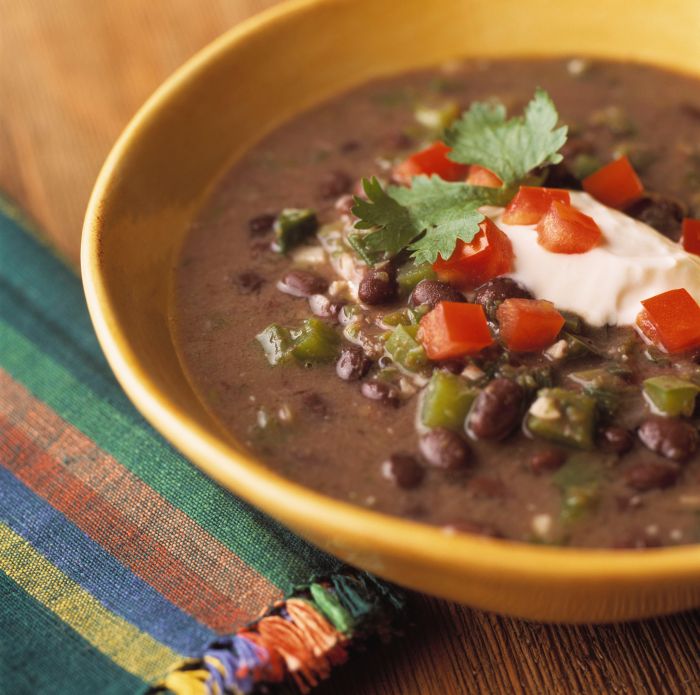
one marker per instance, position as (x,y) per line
(33,640)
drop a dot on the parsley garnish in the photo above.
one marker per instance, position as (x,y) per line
(512,148)
(429,217)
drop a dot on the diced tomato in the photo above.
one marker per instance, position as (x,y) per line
(671,320)
(647,328)
(690,235)
(616,184)
(528,325)
(489,254)
(431,160)
(453,329)
(531,203)
(481,176)
(564,229)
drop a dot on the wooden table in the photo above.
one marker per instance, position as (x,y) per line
(72,72)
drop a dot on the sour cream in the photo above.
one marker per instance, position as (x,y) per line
(606,284)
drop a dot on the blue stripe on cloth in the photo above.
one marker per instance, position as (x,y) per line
(88,564)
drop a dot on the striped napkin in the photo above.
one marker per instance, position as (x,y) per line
(123,569)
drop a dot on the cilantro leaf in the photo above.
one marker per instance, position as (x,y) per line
(439,210)
(509,148)
(395,226)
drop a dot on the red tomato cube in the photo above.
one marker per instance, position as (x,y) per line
(431,160)
(616,184)
(564,229)
(481,176)
(528,325)
(453,329)
(531,203)
(671,320)
(489,254)
(690,235)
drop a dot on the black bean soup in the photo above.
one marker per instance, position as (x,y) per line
(318,358)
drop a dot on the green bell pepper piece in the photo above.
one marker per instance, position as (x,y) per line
(404,349)
(446,401)
(563,417)
(584,165)
(276,343)
(579,481)
(410,274)
(602,384)
(315,341)
(293,226)
(670,395)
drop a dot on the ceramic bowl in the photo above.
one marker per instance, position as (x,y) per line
(218,105)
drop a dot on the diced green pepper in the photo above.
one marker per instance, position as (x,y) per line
(579,481)
(670,395)
(410,274)
(583,165)
(293,226)
(563,417)
(276,343)
(446,401)
(404,349)
(315,341)
(573,323)
(579,347)
(407,316)
(603,385)
(438,117)
(529,378)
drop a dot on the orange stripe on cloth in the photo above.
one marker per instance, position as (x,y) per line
(157,541)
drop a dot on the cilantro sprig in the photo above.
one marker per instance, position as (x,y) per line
(432,215)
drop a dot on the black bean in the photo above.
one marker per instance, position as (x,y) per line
(492,293)
(432,292)
(546,460)
(403,470)
(248,282)
(453,366)
(397,141)
(496,410)
(352,364)
(350,146)
(262,224)
(670,437)
(444,449)
(663,213)
(617,440)
(651,475)
(302,283)
(381,391)
(378,286)
(316,404)
(333,184)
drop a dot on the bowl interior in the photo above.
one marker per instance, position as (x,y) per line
(216,107)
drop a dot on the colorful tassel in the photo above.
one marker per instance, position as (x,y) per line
(296,643)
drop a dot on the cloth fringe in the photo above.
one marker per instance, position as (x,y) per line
(296,643)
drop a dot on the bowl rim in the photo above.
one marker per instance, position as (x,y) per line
(284,499)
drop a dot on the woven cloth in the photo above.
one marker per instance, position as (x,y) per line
(122,567)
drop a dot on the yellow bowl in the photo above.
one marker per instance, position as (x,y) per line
(218,105)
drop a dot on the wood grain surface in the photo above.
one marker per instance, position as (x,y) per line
(72,72)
